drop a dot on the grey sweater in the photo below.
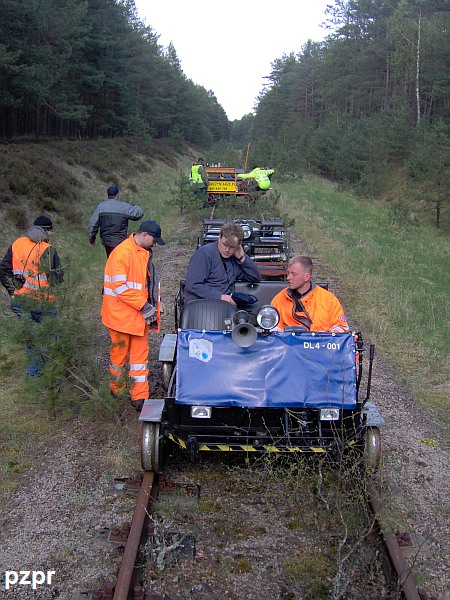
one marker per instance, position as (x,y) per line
(209,275)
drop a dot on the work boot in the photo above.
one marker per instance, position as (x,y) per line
(138,404)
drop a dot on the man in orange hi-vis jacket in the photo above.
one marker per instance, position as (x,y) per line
(307,305)
(131,307)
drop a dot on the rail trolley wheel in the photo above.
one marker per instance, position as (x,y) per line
(372,448)
(151,450)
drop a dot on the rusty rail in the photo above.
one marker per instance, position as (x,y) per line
(127,564)
(394,551)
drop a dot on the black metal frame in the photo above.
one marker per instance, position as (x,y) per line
(268,244)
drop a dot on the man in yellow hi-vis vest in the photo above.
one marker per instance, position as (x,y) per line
(260,177)
(198,178)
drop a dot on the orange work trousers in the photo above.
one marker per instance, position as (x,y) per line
(135,348)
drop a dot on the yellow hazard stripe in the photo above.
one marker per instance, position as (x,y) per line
(246,448)
(177,440)
(225,448)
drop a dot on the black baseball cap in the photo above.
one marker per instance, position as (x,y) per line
(153,228)
(43,221)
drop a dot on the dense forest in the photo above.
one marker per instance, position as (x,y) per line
(372,97)
(367,105)
(90,68)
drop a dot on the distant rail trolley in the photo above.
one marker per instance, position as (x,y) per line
(224,185)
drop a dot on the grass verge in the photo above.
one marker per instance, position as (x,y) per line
(76,380)
(394,276)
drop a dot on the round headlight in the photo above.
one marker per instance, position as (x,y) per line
(247,231)
(268,317)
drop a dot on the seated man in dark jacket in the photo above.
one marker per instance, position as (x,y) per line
(215,267)
(111,217)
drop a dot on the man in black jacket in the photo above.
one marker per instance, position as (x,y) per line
(111,217)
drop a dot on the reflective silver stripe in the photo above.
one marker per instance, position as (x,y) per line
(129,285)
(139,378)
(108,292)
(120,289)
(134,285)
(114,278)
(138,367)
(37,277)
(42,276)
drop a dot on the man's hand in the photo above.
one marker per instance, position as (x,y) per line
(92,243)
(239,253)
(149,313)
(227,298)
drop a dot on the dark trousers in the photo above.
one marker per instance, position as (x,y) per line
(36,313)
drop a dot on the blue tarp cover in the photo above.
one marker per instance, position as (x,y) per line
(313,370)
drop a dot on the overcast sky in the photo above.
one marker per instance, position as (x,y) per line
(228,47)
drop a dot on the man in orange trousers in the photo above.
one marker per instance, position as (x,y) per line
(131,307)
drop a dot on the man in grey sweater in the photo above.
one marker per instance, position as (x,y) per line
(111,217)
(215,267)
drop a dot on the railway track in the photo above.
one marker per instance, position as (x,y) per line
(147,494)
(128,587)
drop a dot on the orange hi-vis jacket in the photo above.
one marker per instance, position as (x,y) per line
(26,263)
(125,288)
(322,307)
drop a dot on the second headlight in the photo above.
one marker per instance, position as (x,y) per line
(267,317)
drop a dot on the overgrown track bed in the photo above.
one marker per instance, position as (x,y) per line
(174,547)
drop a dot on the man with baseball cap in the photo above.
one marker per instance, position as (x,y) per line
(131,306)
(29,269)
(111,217)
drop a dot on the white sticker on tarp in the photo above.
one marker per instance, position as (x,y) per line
(200,349)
